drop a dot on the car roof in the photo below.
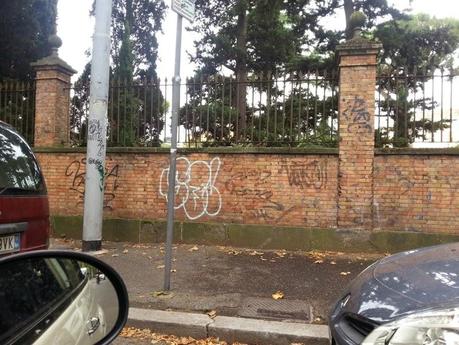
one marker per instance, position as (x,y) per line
(4,124)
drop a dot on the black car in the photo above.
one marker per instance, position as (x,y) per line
(408,298)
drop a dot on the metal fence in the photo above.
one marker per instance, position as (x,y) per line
(413,108)
(17,106)
(417,108)
(292,110)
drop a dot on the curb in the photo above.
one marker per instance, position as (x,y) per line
(230,329)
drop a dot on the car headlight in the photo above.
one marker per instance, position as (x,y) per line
(439,327)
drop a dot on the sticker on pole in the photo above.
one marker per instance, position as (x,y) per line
(185,8)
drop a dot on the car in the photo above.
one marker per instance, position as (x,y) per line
(53,297)
(24,207)
(409,298)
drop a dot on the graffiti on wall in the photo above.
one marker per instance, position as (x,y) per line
(76,171)
(265,207)
(195,189)
(357,115)
(304,175)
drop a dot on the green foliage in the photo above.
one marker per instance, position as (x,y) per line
(136,104)
(280,112)
(25,26)
(413,49)
(145,19)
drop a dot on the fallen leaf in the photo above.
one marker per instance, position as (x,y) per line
(319,262)
(193,249)
(278,295)
(115,255)
(162,293)
(174,271)
(253,253)
(263,259)
(281,254)
(144,253)
(125,251)
(160,267)
(345,273)
(332,263)
(212,314)
(272,260)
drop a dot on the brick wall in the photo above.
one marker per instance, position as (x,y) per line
(270,189)
(414,193)
(417,193)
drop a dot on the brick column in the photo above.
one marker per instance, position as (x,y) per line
(357,61)
(52,99)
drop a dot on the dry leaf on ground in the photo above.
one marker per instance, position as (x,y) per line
(281,253)
(212,314)
(160,267)
(145,334)
(193,249)
(319,262)
(278,295)
(345,273)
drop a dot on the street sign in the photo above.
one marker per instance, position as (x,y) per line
(185,8)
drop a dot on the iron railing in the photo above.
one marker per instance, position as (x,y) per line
(417,108)
(17,106)
(292,110)
(136,113)
(289,110)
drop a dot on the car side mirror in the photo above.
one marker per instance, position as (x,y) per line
(60,297)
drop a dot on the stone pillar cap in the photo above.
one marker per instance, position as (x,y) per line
(358,45)
(53,62)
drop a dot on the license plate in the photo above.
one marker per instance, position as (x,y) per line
(9,244)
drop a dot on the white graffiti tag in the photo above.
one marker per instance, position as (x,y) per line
(195,189)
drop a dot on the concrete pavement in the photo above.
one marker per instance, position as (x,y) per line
(235,286)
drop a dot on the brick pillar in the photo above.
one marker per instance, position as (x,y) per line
(357,61)
(52,99)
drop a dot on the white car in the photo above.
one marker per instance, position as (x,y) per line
(51,298)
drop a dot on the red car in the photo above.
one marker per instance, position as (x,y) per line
(24,208)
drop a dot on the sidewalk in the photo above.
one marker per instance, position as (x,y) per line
(233,282)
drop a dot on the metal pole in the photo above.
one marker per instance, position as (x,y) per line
(97,129)
(173,155)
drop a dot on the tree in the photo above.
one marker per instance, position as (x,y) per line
(413,50)
(25,26)
(249,37)
(144,18)
(137,104)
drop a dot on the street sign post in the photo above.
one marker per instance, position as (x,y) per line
(184,8)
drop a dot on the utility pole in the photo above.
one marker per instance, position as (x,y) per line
(97,129)
(184,8)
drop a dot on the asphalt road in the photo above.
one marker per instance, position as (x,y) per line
(207,278)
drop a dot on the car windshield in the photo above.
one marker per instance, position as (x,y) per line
(19,172)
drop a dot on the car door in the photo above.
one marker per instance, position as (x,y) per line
(24,210)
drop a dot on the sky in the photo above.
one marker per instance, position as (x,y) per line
(75,27)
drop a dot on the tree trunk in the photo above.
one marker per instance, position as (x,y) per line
(241,68)
(348,10)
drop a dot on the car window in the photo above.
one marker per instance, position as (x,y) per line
(34,294)
(19,171)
